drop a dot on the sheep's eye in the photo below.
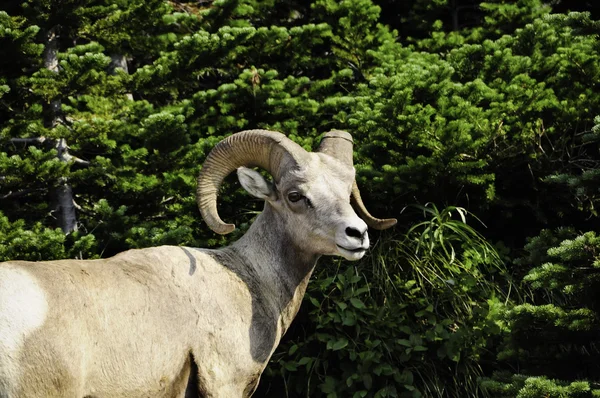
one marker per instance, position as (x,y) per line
(294,196)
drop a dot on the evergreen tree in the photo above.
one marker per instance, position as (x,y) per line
(95,115)
(463,125)
(553,341)
(120,101)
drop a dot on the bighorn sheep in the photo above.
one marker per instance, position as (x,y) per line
(153,322)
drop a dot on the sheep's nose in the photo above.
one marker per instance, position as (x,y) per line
(355,233)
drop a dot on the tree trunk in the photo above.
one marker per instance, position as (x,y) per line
(51,63)
(454,10)
(119,61)
(64,202)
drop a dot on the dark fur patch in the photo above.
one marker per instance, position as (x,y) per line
(252,385)
(192,261)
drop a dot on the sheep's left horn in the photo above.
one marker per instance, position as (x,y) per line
(359,206)
(338,144)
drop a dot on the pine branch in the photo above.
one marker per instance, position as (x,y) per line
(35,140)
(63,153)
(22,192)
(60,145)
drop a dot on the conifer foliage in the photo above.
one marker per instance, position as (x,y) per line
(487,109)
(554,339)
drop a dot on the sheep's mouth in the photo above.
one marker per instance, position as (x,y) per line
(351,254)
(357,250)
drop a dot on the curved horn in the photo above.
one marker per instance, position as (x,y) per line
(269,150)
(359,206)
(338,144)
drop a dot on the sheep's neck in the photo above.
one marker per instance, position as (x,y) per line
(282,269)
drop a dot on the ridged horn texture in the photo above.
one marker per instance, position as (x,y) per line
(269,150)
(338,144)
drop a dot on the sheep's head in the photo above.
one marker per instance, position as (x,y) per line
(312,192)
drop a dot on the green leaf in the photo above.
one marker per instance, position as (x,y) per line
(349,318)
(290,366)
(315,302)
(339,344)
(293,349)
(305,360)
(329,386)
(357,303)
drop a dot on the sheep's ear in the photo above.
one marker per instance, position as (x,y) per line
(255,184)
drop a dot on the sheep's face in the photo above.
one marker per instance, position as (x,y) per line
(314,206)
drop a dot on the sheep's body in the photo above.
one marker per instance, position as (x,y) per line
(68,356)
(163,287)
(217,308)
(177,321)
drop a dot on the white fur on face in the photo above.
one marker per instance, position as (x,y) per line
(23,308)
(322,227)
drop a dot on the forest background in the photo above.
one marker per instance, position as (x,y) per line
(476,125)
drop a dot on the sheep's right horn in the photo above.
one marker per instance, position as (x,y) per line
(269,150)
(338,144)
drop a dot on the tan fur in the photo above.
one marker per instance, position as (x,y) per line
(137,324)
